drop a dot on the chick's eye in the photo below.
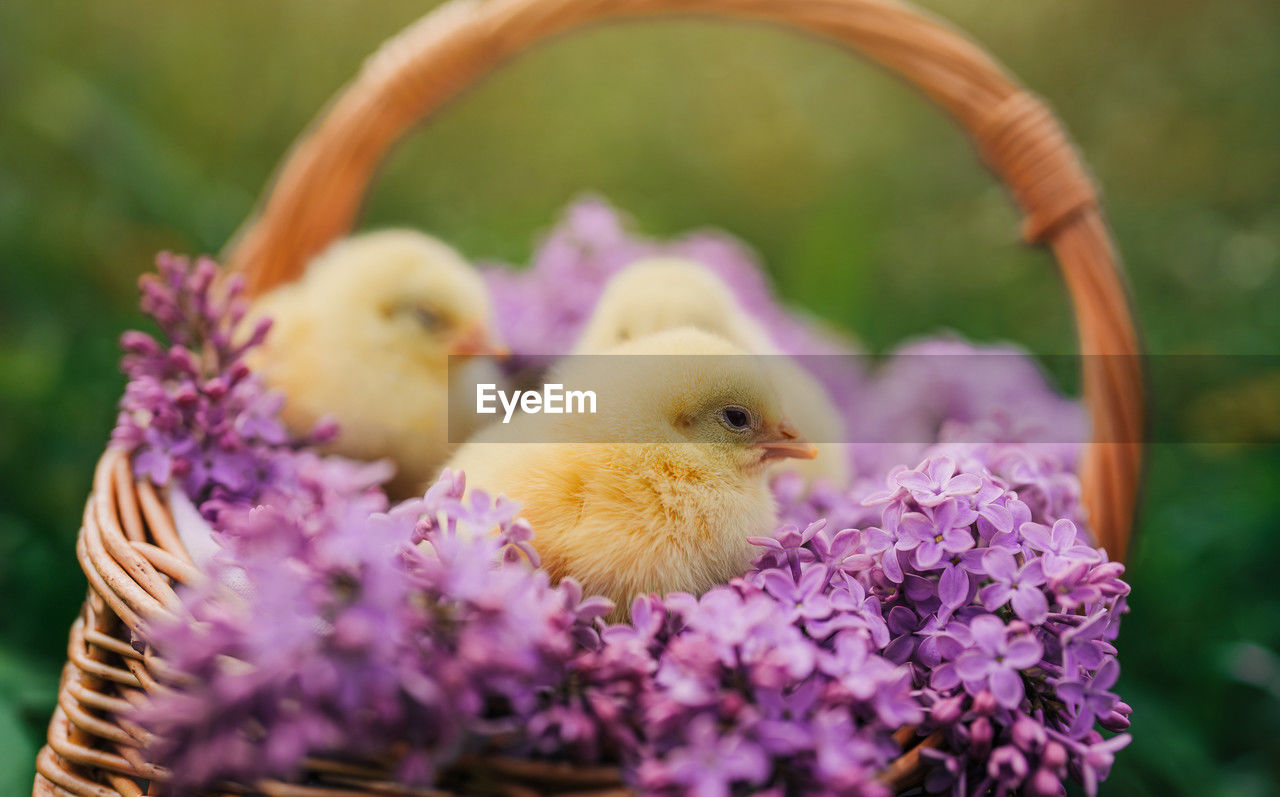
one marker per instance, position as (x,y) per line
(427,317)
(736,418)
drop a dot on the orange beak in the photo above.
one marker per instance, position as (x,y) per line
(787,444)
(476,341)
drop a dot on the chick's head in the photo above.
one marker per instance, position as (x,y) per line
(660,294)
(707,402)
(407,293)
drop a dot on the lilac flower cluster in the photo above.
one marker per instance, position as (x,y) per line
(192,410)
(984,622)
(947,389)
(1001,610)
(772,684)
(541,309)
(349,640)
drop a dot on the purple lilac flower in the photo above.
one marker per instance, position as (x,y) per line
(542,308)
(807,599)
(192,410)
(935,481)
(1090,696)
(1018,586)
(1093,760)
(1083,646)
(1007,660)
(353,640)
(931,536)
(749,669)
(981,672)
(996,659)
(1058,545)
(709,763)
(788,546)
(857,611)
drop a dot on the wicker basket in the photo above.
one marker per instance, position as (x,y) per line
(130,551)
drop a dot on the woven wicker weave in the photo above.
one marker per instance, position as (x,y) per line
(130,551)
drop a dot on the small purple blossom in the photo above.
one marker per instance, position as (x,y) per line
(709,763)
(935,481)
(934,534)
(1084,646)
(1094,760)
(788,546)
(1090,698)
(1059,545)
(1018,586)
(996,660)
(807,598)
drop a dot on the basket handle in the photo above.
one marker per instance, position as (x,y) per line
(318,191)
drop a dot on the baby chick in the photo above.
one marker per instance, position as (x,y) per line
(664,293)
(365,337)
(658,490)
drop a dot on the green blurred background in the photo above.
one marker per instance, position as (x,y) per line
(130,127)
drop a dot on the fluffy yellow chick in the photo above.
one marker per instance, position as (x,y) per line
(671,479)
(365,337)
(665,293)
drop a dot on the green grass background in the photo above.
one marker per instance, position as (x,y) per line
(127,127)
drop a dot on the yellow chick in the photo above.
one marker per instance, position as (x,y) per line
(657,490)
(365,337)
(664,293)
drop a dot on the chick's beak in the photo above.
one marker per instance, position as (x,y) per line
(476,341)
(786,443)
